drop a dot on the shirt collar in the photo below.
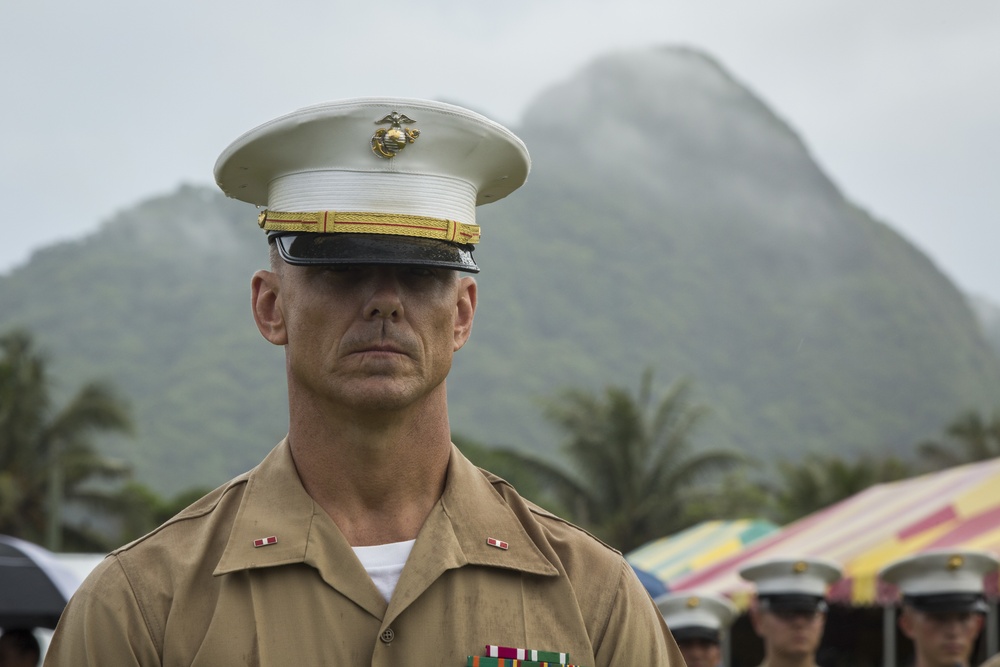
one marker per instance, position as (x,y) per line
(274,505)
(481,520)
(468,516)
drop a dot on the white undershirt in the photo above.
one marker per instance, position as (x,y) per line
(384,563)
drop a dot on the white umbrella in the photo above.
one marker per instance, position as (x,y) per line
(34,585)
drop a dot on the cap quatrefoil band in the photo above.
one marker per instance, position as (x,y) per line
(348,222)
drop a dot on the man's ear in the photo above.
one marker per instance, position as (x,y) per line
(978,624)
(466,310)
(905,622)
(755,620)
(264,290)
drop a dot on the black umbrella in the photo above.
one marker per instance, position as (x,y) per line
(34,586)
(650,582)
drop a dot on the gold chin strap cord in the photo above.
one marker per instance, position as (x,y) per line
(353,222)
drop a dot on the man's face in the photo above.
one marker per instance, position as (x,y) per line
(367,337)
(12,655)
(789,634)
(700,652)
(941,639)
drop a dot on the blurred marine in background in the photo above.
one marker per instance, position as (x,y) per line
(942,604)
(698,623)
(19,648)
(789,613)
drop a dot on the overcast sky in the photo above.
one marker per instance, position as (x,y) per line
(107,102)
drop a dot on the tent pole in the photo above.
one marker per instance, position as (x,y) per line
(889,636)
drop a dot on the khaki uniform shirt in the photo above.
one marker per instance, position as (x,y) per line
(197,592)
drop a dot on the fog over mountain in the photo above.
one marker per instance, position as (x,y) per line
(708,243)
(671,221)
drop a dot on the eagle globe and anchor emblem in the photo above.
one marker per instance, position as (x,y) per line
(386,142)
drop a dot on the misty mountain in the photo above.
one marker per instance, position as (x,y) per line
(988,315)
(671,221)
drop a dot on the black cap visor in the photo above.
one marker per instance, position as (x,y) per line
(309,249)
(695,632)
(946,603)
(792,602)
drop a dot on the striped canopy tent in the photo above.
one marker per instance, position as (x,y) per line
(674,556)
(954,508)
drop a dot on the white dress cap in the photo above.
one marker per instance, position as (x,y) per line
(941,579)
(696,616)
(791,576)
(385,168)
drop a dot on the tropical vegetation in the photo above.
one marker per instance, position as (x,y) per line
(628,467)
(968,438)
(47,453)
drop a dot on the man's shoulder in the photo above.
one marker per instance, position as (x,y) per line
(625,626)
(573,545)
(200,524)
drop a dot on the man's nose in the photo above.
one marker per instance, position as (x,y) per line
(384,299)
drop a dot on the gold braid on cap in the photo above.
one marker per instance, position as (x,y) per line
(349,222)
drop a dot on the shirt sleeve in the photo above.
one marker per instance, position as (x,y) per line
(636,633)
(103,624)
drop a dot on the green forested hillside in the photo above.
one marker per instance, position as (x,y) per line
(671,220)
(158,302)
(988,315)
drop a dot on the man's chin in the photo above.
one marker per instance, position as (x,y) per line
(382,393)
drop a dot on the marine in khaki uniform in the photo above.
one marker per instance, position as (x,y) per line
(365,537)
(942,603)
(789,613)
(697,623)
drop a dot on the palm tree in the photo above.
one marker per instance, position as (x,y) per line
(47,455)
(508,464)
(968,438)
(631,463)
(139,509)
(818,482)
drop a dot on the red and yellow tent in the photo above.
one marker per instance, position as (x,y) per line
(954,508)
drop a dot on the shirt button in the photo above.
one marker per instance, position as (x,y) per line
(387,635)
